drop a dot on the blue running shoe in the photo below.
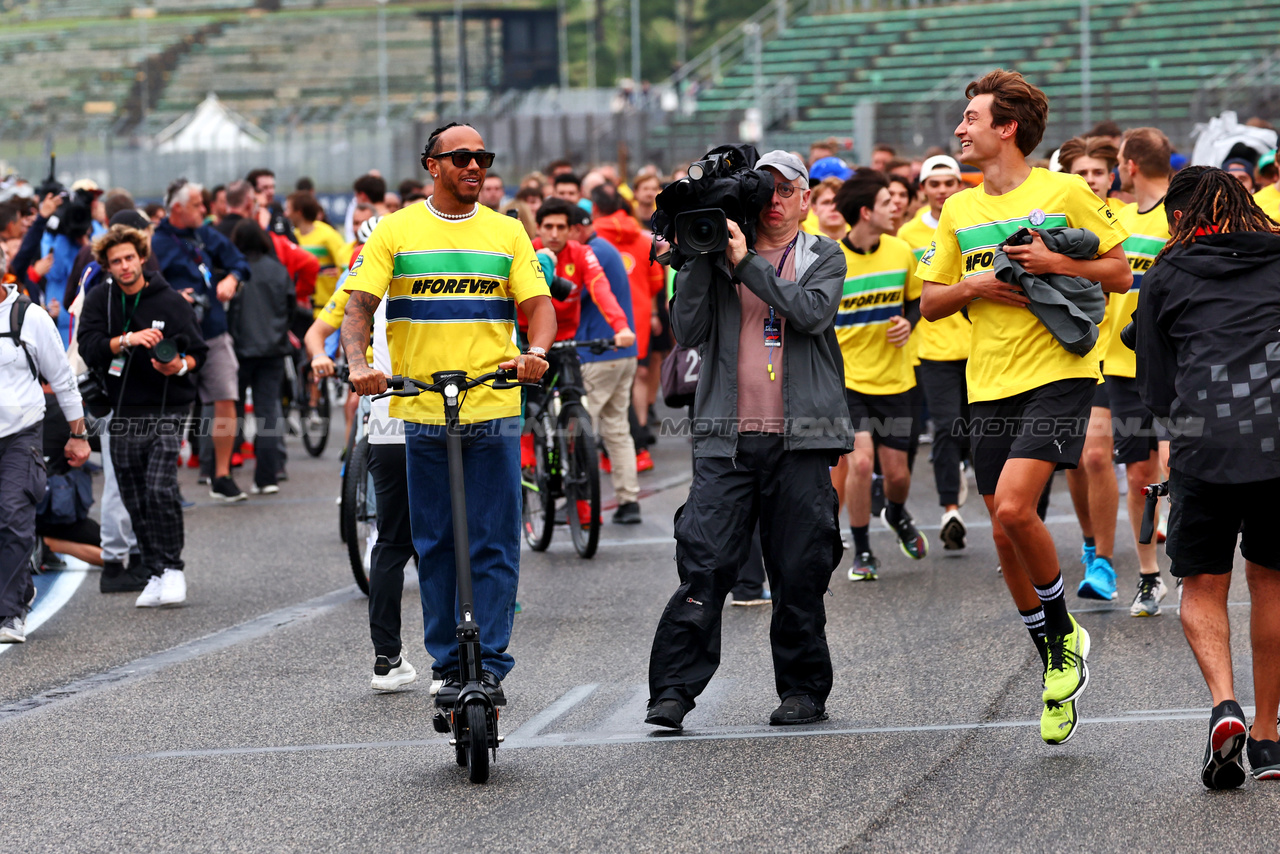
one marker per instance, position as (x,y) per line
(1087,554)
(1099,581)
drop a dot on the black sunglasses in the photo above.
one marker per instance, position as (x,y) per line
(461,157)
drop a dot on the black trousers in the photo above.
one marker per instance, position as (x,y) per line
(790,494)
(264,374)
(22,487)
(393,548)
(144,453)
(947,395)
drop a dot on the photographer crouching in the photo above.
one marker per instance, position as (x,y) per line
(769,420)
(143,335)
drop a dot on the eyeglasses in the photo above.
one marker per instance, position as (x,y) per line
(784,191)
(461,157)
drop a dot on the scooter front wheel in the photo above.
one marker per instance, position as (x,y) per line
(477,721)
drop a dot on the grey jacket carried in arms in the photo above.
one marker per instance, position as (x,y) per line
(1070,307)
(707,314)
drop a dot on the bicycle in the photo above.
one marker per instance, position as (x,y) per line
(357,509)
(472,714)
(566,464)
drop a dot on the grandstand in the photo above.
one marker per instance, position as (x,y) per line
(1151,61)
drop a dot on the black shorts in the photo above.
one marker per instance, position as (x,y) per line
(889,418)
(1101,398)
(85,531)
(1207,517)
(1046,423)
(1133,426)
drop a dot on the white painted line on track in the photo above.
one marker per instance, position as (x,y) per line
(68,581)
(516,741)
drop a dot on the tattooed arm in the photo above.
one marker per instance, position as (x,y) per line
(357,322)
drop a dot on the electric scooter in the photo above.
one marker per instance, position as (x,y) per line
(470,714)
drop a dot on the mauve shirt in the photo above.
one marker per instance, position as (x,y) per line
(760,398)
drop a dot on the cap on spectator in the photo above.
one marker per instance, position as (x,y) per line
(827,167)
(582,216)
(1177,162)
(87,185)
(1238,164)
(131,218)
(939,163)
(1268,159)
(788,164)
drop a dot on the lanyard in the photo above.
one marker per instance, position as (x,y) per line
(128,314)
(773,327)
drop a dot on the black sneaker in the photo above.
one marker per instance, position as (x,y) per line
(913,543)
(627,514)
(865,567)
(116,578)
(666,713)
(1222,767)
(493,685)
(877,494)
(224,489)
(797,709)
(1264,759)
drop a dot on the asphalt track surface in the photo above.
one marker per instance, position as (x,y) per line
(245,721)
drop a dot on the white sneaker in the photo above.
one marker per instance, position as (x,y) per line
(269,489)
(13,630)
(150,595)
(394,677)
(953,531)
(173,587)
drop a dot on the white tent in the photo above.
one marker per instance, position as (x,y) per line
(210,127)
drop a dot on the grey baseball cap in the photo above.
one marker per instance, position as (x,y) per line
(788,164)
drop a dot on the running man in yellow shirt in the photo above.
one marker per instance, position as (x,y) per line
(1029,397)
(877,311)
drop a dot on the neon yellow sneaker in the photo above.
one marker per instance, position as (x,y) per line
(1068,672)
(1058,722)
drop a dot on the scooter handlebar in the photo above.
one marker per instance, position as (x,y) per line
(503,378)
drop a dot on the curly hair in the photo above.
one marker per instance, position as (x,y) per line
(118,235)
(1013,99)
(1211,202)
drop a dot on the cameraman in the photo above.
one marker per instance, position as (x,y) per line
(122,327)
(769,420)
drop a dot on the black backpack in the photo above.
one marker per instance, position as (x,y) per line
(17,314)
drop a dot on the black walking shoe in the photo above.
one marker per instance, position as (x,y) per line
(797,709)
(225,489)
(116,578)
(627,514)
(493,685)
(1264,759)
(877,494)
(667,713)
(1222,767)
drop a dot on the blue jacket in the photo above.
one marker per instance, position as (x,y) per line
(592,323)
(182,252)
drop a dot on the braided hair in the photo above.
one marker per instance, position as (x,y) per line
(1212,202)
(434,139)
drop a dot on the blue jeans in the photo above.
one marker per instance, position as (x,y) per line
(491,466)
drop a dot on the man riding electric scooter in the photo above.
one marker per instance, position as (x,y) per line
(453,272)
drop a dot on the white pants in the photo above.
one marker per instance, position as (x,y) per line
(118,539)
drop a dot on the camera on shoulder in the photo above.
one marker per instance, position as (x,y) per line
(693,213)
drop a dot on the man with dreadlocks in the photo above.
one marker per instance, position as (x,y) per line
(453,272)
(1208,358)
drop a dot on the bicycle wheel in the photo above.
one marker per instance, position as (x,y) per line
(314,420)
(538,509)
(477,720)
(359,520)
(581,479)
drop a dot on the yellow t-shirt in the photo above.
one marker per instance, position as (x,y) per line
(1268,198)
(1148,233)
(452,289)
(810,223)
(875,287)
(945,340)
(1012,351)
(332,314)
(330,250)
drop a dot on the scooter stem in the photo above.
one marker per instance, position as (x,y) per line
(468,630)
